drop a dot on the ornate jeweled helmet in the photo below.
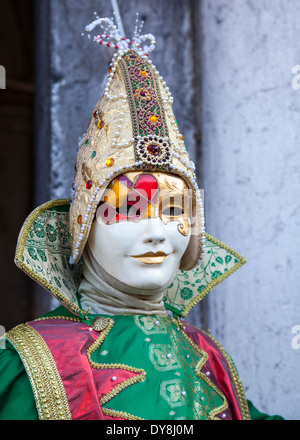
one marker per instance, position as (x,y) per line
(132,128)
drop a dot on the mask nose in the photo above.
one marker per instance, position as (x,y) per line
(154,232)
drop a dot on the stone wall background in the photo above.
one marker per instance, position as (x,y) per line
(228,65)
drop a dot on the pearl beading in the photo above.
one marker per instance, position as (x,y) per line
(162,143)
(112,37)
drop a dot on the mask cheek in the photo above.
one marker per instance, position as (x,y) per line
(174,234)
(109,245)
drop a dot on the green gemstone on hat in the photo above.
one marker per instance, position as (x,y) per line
(93,154)
(87,142)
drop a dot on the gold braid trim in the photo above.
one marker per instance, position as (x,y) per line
(67,318)
(218,280)
(49,393)
(127,382)
(124,415)
(235,379)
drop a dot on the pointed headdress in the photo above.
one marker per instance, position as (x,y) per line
(132,128)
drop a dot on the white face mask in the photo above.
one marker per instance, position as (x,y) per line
(144,254)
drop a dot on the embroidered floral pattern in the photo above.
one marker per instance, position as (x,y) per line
(38,229)
(51,233)
(186,293)
(149,324)
(190,286)
(47,250)
(171,391)
(163,357)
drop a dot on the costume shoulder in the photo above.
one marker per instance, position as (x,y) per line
(16,396)
(17,400)
(217,353)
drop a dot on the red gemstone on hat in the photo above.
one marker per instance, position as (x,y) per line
(154,149)
(143,93)
(89,184)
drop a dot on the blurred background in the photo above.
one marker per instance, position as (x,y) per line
(232,68)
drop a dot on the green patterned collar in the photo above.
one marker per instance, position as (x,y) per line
(43,252)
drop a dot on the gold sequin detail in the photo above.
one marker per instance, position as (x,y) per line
(99,323)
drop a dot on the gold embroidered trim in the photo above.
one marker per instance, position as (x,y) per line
(218,280)
(49,393)
(235,379)
(124,415)
(67,318)
(129,91)
(132,105)
(127,382)
(20,250)
(213,413)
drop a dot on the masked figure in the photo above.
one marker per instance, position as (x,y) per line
(127,257)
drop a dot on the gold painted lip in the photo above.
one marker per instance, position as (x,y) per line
(151,257)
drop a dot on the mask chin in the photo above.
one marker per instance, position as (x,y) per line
(149,288)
